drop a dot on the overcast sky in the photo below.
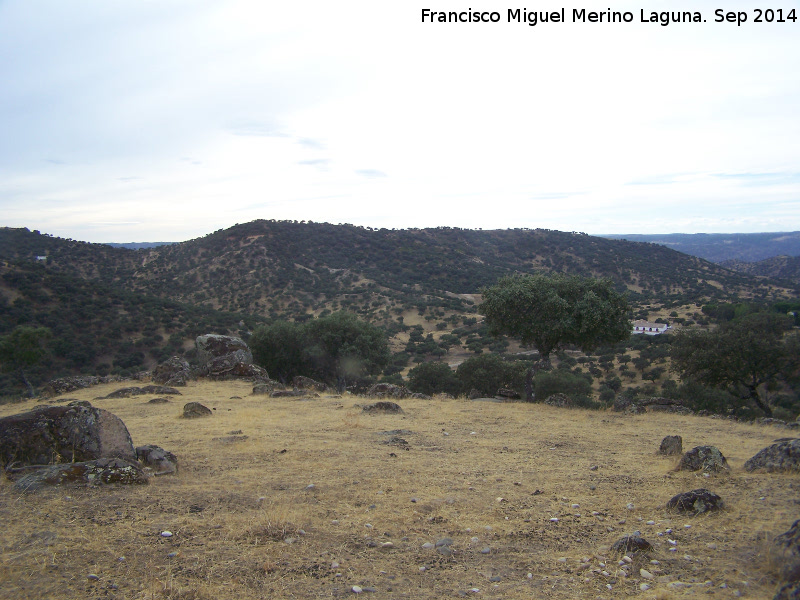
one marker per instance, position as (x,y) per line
(166,120)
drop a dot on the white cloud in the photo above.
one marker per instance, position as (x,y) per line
(175,119)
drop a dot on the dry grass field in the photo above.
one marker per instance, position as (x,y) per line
(320,498)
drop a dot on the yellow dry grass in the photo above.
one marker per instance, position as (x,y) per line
(247,525)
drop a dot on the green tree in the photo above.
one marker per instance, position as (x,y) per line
(280,349)
(486,373)
(433,378)
(549,312)
(341,347)
(743,357)
(23,348)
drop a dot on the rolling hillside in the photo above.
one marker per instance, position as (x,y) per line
(116,310)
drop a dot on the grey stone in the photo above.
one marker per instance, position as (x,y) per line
(388,390)
(63,434)
(695,502)
(705,458)
(671,445)
(782,456)
(211,346)
(161,461)
(560,400)
(631,543)
(383,407)
(174,371)
(94,472)
(193,410)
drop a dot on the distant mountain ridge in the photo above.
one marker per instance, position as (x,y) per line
(721,247)
(138,245)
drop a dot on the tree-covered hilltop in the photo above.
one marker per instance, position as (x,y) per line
(115,310)
(289,268)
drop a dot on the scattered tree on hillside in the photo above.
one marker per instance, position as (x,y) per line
(22,348)
(549,312)
(743,357)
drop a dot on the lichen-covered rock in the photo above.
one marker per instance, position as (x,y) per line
(56,434)
(211,346)
(230,367)
(671,445)
(383,407)
(631,543)
(193,410)
(65,385)
(161,461)
(174,371)
(788,591)
(703,458)
(128,392)
(560,400)
(93,472)
(789,541)
(695,502)
(782,456)
(266,387)
(388,390)
(306,383)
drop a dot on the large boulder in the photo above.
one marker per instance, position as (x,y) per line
(193,410)
(128,392)
(174,371)
(703,458)
(211,346)
(782,456)
(57,434)
(695,502)
(93,472)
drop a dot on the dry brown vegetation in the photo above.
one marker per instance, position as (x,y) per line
(246,524)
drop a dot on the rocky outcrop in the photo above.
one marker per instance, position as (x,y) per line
(388,390)
(695,502)
(174,371)
(93,472)
(306,383)
(703,458)
(656,404)
(56,434)
(128,392)
(560,400)
(193,410)
(65,385)
(266,387)
(211,346)
(781,456)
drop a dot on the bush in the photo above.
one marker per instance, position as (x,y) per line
(561,381)
(485,373)
(433,378)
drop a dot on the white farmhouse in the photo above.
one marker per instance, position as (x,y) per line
(648,328)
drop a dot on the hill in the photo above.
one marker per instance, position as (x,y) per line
(785,268)
(721,247)
(114,310)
